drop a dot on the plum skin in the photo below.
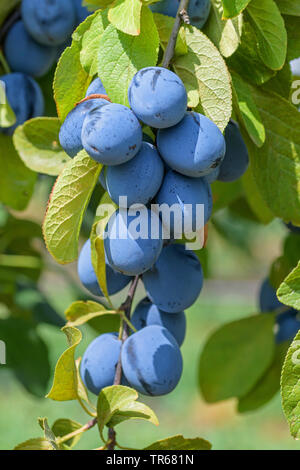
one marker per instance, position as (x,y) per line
(25,98)
(198,10)
(147,314)
(158,97)
(236,160)
(115,281)
(152,361)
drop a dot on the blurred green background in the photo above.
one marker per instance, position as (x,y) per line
(239,255)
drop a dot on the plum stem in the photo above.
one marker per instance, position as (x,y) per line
(181,17)
(94,97)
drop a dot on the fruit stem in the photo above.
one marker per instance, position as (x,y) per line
(73,434)
(181,17)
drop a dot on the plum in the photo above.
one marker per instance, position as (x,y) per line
(96,88)
(198,10)
(236,160)
(81,12)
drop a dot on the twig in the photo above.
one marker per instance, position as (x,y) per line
(182,16)
(73,434)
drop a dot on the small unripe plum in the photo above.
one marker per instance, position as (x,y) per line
(236,160)
(25,98)
(194,147)
(175,281)
(158,97)
(115,281)
(152,361)
(184,191)
(99,362)
(133,242)
(111,135)
(96,88)
(49,22)
(147,314)
(24,54)
(70,131)
(139,179)
(198,10)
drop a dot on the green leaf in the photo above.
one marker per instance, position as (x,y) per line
(248,111)
(233,8)
(267,386)
(70,82)
(164,26)
(65,384)
(180,443)
(49,435)
(270,30)
(206,77)
(254,196)
(225,34)
(37,142)
(225,193)
(6,8)
(276,165)
(290,387)
(293,32)
(289,291)
(7,115)
(289,7)
(121,56)
(17,187)
(117,404)
(125,15)
(69,199)
(63,427)
(38,443)
(235,357)
(103,321)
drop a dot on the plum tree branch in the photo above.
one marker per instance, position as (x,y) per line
(181,17)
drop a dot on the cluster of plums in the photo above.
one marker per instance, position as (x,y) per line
(31,46)
(189,153)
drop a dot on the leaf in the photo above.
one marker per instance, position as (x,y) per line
(293,32)
(289,291)
(205,75)
(63,427)
(164,26)
(271,34)
(225,193)
(267,386)
(37,142)
(290,387)
(7,115)
(49,436)
(233,8)
(289,7)
(121,56)
(70,81)
(225,34)
(254,197)
(235,357)
(91,312)
(6,8)
(68,201)
(65,383)
(125,15)
(38,443)
(117,404)
(17,187)
(248,111)
(180,443)
(276,165)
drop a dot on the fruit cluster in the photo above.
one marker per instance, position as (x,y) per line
(32,45)
(187,153)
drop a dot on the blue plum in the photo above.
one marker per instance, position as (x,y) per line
(102,178)
(25,55)
(293,228)
(158,97)
(175,281)
(213,176)
(133,242)
(70,131)
(147,314)
(139,179)
(115,281)
(295,67)
(198,10)
(268,301)
(112,134)
(190,194)
(99,362)
(236,160)
(81,12)
(96,88)
(288,326)
(49,22)
(25,98)
(152,361)
(194,147)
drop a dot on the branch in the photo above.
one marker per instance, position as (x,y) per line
(181,17)
(85,428)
